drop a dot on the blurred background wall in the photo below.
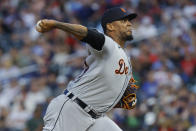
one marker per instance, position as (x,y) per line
(34,68)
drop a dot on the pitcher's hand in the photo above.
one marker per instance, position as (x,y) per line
(45,25)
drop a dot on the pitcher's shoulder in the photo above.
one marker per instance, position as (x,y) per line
(110,43)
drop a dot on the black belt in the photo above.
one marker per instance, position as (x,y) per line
(82,105)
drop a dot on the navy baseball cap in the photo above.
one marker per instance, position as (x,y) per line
(114,14)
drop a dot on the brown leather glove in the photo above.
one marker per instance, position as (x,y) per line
(128,100)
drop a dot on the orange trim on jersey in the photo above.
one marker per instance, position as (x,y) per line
(126,70)
(122,65)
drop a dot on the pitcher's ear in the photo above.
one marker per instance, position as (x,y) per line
(110,27)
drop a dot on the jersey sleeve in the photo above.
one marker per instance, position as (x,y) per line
(95,39)
(99,44)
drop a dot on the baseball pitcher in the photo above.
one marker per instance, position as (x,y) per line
(106,81)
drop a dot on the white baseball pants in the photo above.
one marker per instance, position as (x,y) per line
(63,114)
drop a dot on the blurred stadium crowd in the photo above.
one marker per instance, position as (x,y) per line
(35,67)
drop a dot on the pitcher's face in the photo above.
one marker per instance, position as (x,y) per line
(124,29)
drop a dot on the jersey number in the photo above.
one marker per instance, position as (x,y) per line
(123,69)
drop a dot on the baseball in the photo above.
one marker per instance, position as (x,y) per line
(38,27)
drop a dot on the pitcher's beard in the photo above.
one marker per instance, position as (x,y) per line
(128,38)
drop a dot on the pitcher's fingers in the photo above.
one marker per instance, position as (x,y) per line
(43,24)
(39,29)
